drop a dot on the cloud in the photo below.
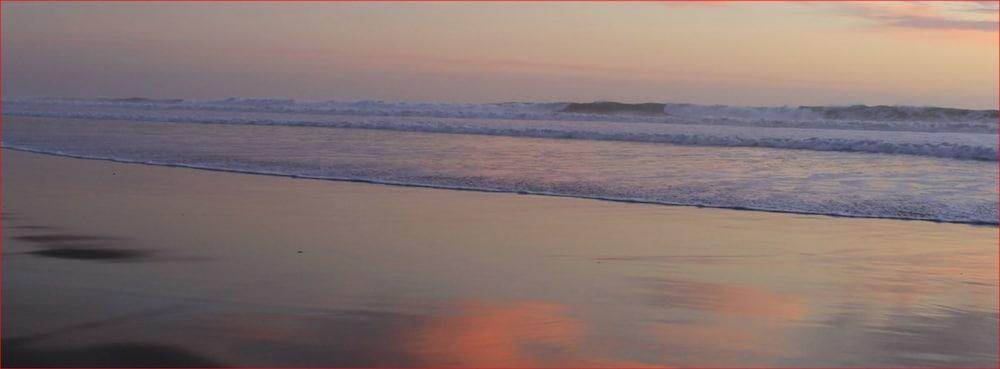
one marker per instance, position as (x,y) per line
(924,16)
(694,3)
(985,7)
(957,16)
(950,24)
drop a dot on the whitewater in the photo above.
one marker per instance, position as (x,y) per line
(897,162)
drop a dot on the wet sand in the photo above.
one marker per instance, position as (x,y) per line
(109,264)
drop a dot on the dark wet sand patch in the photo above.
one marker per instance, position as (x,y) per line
(80,246)
(111,254)
(100,356)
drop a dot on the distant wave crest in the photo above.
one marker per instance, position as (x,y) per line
(934,132)
(894,118)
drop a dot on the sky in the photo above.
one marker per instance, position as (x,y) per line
(915,53)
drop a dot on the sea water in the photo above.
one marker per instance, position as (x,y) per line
(880,162)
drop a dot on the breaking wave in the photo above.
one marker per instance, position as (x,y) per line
(971,136)
(863,117)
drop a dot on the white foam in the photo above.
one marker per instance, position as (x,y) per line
(604,164)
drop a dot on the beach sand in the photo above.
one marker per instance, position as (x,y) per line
(110,264)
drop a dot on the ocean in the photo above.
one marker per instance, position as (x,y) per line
(897,162)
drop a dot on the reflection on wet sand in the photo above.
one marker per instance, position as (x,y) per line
(521,334)
(691,323)
(726,324)
(923,336)
(726,299)
(915,278)
(32,351)
(507,334)
(468,333)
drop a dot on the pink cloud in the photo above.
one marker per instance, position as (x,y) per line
(922,16)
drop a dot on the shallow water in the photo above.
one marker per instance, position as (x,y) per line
(246,270)
(801,181)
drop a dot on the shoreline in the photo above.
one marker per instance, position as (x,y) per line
(470,189)
(180,267)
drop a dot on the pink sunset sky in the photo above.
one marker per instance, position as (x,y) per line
(920,53)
